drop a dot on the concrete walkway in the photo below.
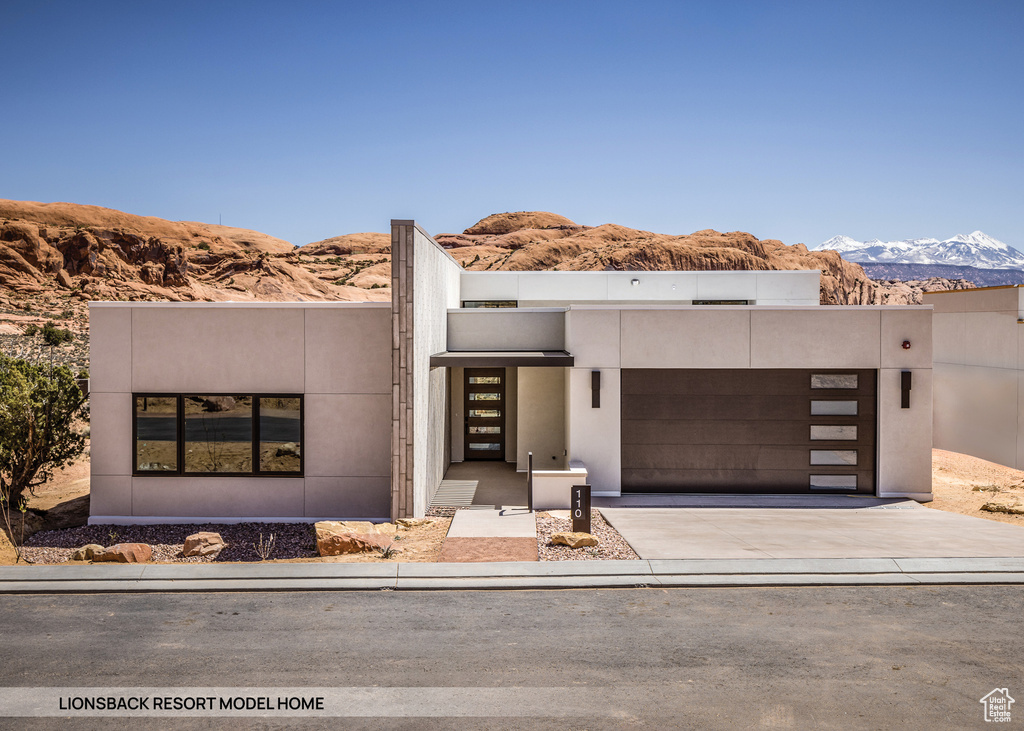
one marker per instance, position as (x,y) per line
(505,523)
(872,532)
(903,544)
(497,483)
(487,535)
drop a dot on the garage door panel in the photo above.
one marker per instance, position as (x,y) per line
(739,382)
(698,456)
(746,457)
(748,430)
(667,431)
(708,407)
(715,407)
(727,481)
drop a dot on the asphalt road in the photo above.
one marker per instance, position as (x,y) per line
(841,657)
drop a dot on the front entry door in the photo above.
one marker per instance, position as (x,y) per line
(485,413)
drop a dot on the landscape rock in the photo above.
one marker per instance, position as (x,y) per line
(67,514)
(87,552)
(1000,508)
(125,553)
(358,526)
(573,540)
(204,543)
(413,522)
(332,541)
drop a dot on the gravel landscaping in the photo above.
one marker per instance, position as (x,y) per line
(611,545)
(291,541)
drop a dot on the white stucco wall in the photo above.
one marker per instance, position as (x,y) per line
(435,291)
(541,418)
(337,355)
(979,373)
(611,337)
(540,289)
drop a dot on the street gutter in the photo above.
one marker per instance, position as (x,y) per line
(116,578)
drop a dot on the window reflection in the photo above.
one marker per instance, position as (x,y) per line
(280,434)
(156,434)
(218,433)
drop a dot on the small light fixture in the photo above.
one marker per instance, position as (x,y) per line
(635,282)
(906,345)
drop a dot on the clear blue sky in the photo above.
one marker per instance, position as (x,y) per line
(791,120)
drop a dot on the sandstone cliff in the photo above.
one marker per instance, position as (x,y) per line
(99,253)
(77,253)
(532,241)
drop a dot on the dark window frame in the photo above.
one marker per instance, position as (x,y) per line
(489,304)
(180,447)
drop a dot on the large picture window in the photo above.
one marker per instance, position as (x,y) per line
(218,434)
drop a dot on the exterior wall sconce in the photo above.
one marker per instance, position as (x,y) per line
(906,345)
(595,389)
(635,282)
(905,389)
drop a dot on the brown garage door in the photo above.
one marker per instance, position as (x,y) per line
(748,431)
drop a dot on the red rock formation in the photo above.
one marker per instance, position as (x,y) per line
(99,253)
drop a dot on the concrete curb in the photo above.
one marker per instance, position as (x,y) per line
(518,575)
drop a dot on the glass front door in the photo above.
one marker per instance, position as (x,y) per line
(485,413)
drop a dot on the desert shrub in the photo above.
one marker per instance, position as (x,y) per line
(53,335)
(38,414)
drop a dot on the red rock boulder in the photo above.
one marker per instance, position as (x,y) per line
(125,553)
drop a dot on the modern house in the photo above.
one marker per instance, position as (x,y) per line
(979,372)
(635,382)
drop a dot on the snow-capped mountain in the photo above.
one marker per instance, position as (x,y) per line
(974,250)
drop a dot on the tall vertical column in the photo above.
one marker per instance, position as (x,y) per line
(402,369)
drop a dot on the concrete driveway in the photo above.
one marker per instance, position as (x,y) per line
(904,530)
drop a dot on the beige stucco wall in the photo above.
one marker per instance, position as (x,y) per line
(541,418)
(511,414)
(337,355)
(594,434)
(506,329)
(979,373)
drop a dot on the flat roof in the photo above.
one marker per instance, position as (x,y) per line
(975,289)
(751,308)
(250,304)
(502,358)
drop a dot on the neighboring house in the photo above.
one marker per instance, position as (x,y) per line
(699,382)
(979,373)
